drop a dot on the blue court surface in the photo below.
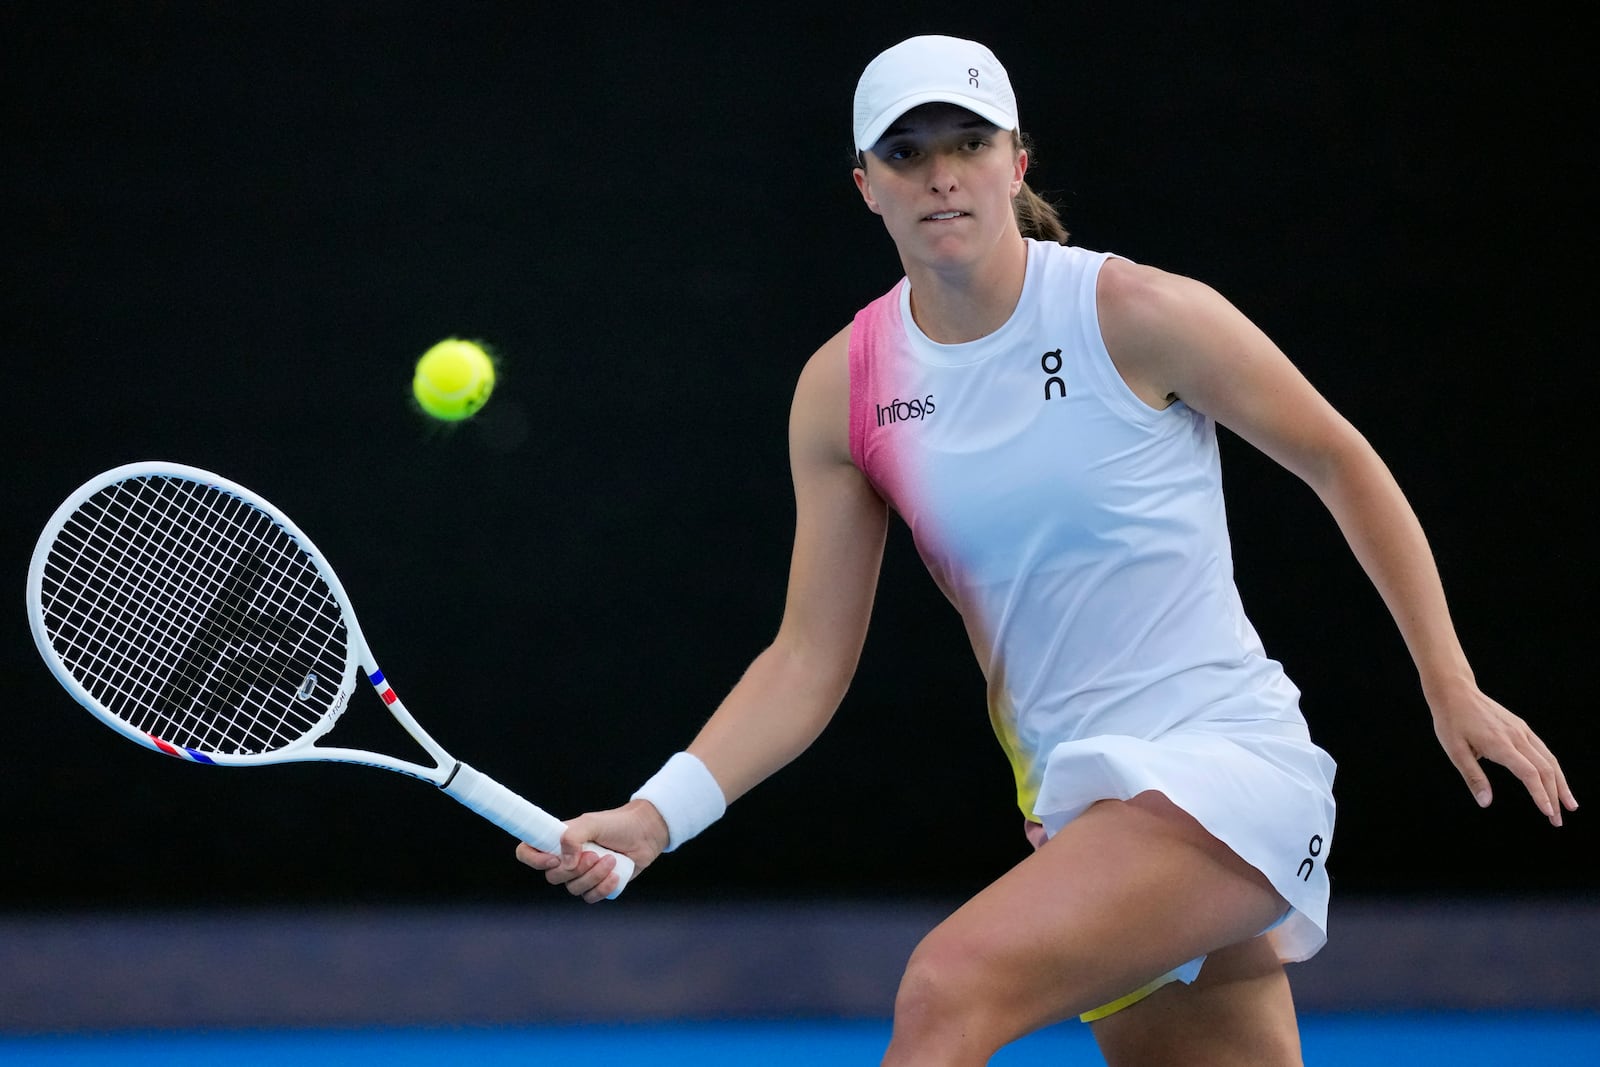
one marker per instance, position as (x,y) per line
(1417,1040)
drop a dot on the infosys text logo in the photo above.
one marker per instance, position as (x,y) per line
(898,410)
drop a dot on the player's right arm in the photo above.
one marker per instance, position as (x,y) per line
(791,690)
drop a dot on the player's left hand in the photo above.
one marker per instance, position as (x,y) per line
(1472,727)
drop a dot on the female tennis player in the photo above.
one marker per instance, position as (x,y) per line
(1044,419)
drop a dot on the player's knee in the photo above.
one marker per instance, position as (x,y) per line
(924,986)
(941,991)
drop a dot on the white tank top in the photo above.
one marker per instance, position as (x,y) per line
(1079,532)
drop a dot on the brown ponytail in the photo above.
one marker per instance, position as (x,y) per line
(1036,216)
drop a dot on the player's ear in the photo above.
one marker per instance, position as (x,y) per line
(864,187)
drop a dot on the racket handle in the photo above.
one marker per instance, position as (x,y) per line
(522,819)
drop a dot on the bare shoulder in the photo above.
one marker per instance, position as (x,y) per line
(1138,302)
(828,369)
(819,419)
(1140,309)
(1160,327)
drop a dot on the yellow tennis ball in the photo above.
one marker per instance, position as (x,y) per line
(453,380)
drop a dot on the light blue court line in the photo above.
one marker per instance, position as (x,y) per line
(1417,1040)
(1451,1039)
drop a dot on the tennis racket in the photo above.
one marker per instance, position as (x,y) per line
(192,616)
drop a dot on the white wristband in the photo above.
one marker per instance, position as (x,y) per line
(687,796)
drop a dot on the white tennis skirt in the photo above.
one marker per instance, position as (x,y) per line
(1261,788)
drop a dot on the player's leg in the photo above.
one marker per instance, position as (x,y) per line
(1126,892)
(1238,1012)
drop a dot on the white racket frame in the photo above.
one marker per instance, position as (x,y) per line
(519,817)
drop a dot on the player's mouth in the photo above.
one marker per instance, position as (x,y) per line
(944,216)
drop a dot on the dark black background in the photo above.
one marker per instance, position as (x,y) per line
(230,229)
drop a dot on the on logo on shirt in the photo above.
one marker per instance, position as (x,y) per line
(1050,363)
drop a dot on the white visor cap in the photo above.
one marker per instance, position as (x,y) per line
(928,70)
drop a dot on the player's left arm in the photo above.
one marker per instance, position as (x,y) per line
(1174,338)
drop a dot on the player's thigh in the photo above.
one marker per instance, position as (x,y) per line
(1123,894)
(1238,1011)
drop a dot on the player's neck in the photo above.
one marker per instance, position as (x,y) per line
(958,304)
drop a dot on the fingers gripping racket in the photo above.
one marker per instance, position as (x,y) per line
(192,616)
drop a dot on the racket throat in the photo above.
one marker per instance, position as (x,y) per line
(451,777)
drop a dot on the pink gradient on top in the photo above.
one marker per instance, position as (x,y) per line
(880,453)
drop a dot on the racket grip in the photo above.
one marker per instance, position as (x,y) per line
(522,819)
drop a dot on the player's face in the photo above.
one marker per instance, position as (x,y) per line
(943,179)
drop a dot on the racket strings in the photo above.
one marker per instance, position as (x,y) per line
(156,563)
(128,637)
(151,626)
(194,616)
